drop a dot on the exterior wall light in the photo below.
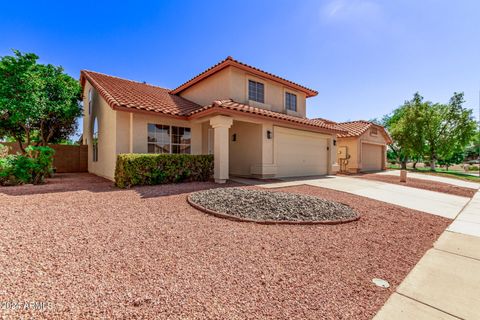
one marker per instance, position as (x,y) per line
(234,137)
(334,142)
(269,134)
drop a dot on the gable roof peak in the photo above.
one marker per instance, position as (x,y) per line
(230,61)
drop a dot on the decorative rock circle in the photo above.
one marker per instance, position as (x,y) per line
(269,207)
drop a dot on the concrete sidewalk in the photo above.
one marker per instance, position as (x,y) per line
(468,221)
(452,181)
(445,284)
(436,203)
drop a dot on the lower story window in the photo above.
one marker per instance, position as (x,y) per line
(168,139)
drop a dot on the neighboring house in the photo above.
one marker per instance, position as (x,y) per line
(363,148)
(252,121)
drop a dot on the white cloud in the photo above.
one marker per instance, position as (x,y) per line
(352,10)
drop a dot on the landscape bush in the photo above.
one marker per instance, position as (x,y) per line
(150,169)
(32,167)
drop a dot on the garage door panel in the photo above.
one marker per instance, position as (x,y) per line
(299,153)
(372,157)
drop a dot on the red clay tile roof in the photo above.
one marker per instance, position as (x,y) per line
(357,128)
(322,120)
(229,61)
(235,106)
(136,96)
(121,93)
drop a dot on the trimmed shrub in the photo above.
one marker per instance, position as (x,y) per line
(150,169)
(32,167)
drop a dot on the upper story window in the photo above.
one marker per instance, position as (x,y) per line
(256,91)
(290,101)
(89,101)
(168,139)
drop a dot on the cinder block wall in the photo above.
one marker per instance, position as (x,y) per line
(67,158)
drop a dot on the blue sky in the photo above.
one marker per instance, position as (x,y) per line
(365,57)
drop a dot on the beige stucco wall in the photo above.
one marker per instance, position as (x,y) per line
(232,83)
(215,87)
(123,132)
(139,134)
(105,166)
(354,148)
(253,154)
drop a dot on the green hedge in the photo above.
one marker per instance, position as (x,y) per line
(148,169)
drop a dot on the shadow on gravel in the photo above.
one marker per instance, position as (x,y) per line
(164,190)
(72,182)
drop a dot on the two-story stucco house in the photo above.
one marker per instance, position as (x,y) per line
(253,122)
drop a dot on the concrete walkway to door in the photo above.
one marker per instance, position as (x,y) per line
(436,203)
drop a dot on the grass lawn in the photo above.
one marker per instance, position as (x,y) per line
(443,173)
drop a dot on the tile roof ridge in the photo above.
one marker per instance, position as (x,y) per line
(124,79)
(323,119)
(356,121)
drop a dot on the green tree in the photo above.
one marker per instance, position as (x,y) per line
(20,88)
(473,150)
(454,158)
(59,106)
(38,103)
(405,125)
(449,129)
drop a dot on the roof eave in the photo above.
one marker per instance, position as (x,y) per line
(218,110)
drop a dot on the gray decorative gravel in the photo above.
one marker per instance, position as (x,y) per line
(267,205)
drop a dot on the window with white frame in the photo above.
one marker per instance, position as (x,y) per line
(168,139)
(256,91)
(290,101)
(90,101)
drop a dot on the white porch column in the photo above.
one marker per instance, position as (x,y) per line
(220,125)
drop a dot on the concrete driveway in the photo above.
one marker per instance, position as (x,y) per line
(436,203)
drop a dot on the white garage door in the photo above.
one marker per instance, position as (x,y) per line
(299,153)
(371,157)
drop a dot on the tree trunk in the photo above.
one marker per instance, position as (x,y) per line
(20,144)
(415,165)
(432,164)
(404,164)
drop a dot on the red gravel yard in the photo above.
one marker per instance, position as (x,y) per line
(88,250)
(422,184)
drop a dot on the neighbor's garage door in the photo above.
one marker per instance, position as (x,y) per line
(372,156)
(299,153)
